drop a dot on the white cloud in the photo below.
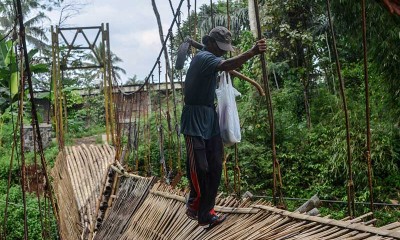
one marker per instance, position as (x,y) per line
(134,33)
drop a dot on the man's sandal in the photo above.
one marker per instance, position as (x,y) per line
(214,221)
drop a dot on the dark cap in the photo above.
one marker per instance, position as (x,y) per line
(223,38)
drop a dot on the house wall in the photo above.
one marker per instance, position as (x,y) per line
(45,133)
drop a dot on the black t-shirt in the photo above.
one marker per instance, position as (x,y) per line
(198,115)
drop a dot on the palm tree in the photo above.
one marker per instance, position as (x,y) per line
(35,34)
(91,59)
(238,17)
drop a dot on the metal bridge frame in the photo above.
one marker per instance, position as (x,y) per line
(63,63)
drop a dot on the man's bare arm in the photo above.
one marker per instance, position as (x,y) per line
(236,62)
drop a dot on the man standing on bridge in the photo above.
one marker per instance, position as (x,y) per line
(199,122)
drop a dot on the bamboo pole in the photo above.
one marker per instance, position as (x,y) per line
(331,222)
(200,46)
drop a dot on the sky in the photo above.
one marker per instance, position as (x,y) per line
(133,27)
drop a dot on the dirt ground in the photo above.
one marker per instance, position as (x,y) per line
(85,140)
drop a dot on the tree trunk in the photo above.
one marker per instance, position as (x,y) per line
(307,103)
(160,31)
(330,84)
(276,80)
(252,18)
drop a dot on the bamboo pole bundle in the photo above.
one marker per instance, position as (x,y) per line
(98,201)
(129,197)
(102,167)
(102,154)
(91,170)
(83,171)
(140,213)
(87,160)
(162,216)
(78,175)
(85,166)
(65,195)
(96,176)
(331,222)
(392,226)
(71,171)
(81,183)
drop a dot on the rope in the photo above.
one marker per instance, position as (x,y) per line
(350,183)
(33,113)
(177,127)
(277,178)
(146,133)
(178,22)
(237,172)
(195,22)
(121,102)
(169,147)
(367,108)
(120,106)
(37,182)
(228,17)
(160,129)
(212,14)
(330,201)
(57,90)
(9,32)
(137,124)
(188,13)
(162,49)
(14,144)
(130,143)
(22,143)
(225,170)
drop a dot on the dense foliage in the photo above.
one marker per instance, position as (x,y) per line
(308,110)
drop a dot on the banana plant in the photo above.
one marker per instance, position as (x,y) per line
(10,74)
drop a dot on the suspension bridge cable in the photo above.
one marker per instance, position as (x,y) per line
(22,143)
(147,133)
(188,17)
(161,129)
(162,49)
(330,201)
(367,107)
(130,137)
(177,126)
(37,181)
(8,33)
(137,129)
(212,14)
(13,150)
(195,21)
(33,108)
(350,183)
(178,21)
(277,178)
(169,147)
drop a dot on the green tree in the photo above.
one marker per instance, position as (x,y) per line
(133,80)
(35,33)
(96,74)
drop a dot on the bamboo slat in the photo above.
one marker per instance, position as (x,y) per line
(143,210)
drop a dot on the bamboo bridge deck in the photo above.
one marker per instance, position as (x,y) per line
(145,209)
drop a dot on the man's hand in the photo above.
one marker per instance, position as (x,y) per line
(260,47)
(393,6)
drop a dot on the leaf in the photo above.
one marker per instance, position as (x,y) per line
(40,68)
(42,95)
(32,52)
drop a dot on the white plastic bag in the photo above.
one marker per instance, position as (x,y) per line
(227,111)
